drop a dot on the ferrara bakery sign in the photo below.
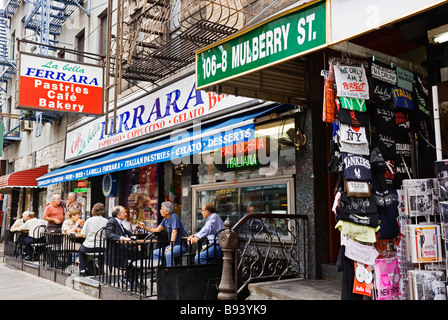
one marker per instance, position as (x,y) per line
(51,85)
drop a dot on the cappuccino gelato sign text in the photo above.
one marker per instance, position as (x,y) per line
(167,107)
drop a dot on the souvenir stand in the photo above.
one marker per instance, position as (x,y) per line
(370,105)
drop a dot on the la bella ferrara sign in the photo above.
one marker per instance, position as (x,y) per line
(53,85)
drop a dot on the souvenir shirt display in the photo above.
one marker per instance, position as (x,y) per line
(372,151)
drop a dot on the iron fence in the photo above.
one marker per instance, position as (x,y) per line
(264,247)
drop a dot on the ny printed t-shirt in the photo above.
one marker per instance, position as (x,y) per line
(353,104)
(352,134)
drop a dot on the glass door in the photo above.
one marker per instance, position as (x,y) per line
(234,200)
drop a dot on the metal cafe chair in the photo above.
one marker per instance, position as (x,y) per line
(96,258)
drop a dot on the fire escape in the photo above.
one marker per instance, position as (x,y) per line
(45,18)
(7,70)
(149,40)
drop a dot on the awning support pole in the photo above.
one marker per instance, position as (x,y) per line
(435,99)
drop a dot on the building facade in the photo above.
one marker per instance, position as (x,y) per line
(223,104)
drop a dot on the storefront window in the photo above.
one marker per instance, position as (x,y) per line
(236,200)
(142,195)
(271,153)
(83,194)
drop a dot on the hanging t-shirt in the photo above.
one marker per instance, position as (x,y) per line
(370,219)
(353,104)
(403,124)
(356,167)
(405,79)
(355,148)
(357,232)
(389,223)
(385,143)
(359,252)
(384,119)
(390,173)
(421,97)
(403,148)
(351,82)
(403,170)
(426,153)
(329,106)
(353,118)
(381,92)
(402,98)
(383,72)
(352,134)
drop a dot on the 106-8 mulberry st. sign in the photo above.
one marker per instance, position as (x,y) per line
(283,38)
(54,85)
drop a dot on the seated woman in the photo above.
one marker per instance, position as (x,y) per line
(73,223)
(91,245)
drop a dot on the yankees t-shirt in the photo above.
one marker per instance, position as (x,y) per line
(356,167)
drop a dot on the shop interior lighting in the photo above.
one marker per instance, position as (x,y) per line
(441,38)
(438,35)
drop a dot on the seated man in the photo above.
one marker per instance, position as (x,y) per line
(176,234)
(19,237)
(118,253)
(32,224)
(211,229)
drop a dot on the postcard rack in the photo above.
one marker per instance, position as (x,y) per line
(423,251)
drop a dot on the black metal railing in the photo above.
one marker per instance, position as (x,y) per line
(132,265)
(127,265)
(262,247)
(259,247)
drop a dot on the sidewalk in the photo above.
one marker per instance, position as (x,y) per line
(19,285)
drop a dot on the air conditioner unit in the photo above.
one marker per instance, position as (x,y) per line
(26,125)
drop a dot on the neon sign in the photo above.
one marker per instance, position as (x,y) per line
(243,155)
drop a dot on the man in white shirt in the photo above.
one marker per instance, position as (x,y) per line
(33,226)
(19,237)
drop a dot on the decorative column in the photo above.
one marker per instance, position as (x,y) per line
(228,240)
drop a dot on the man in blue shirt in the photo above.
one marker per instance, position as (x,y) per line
(171,222)
(213,226)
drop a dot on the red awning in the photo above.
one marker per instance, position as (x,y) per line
(22,179)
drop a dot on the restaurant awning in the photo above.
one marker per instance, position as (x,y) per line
(179,144)
(21,179)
